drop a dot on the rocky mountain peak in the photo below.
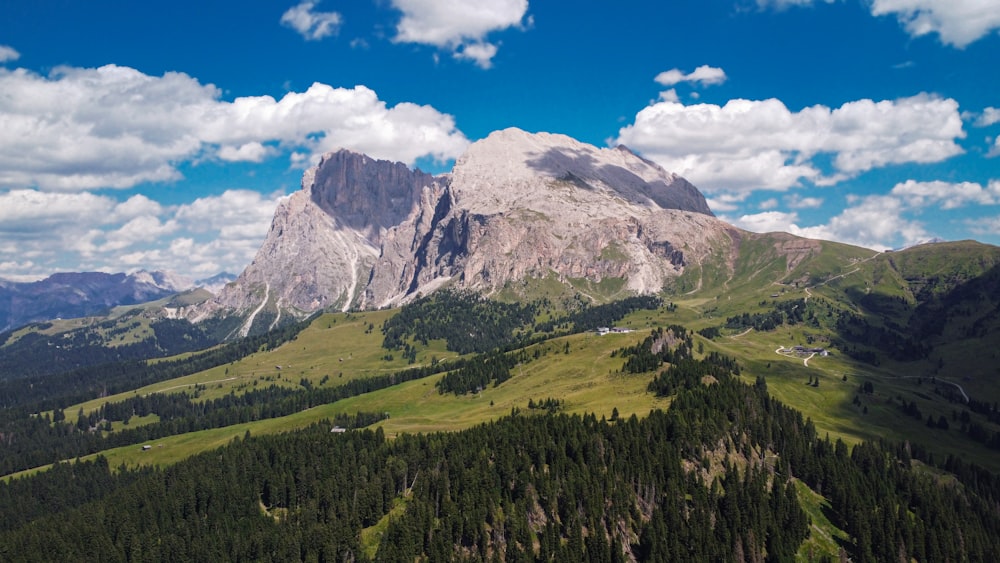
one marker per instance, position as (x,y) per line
(518,160)
(362,193)
(367,233)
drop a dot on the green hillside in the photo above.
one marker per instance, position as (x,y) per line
(897,348)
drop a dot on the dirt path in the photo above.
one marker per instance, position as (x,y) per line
(938,379)
(191,385)
(744,333)
(787,353)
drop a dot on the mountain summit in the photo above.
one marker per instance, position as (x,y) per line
(366,233)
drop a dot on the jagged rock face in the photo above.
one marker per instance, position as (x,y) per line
(323,240)
(363,194)
(522,205)
(366,233)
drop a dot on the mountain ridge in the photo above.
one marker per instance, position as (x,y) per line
(80,294)
(365,233)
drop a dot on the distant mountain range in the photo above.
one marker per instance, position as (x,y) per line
(522,214)
(81,294)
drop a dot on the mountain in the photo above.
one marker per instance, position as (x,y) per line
(70,295)
(215,283)
(365,233)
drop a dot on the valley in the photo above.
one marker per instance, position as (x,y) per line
(536,337)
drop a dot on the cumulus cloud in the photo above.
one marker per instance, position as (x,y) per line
(947,195)
(309,23)
(995,151)
(987,226)
(115,127)
(249,152)
(795,201)
(8,54)
(25,213)
(42,232)
(726,201)
(145,228)
(875,222)
(989,116)
(704,75)
(768,222)
(748,145)
(770,203)
(884,221)
(957,22)
(235,210)
(460,26)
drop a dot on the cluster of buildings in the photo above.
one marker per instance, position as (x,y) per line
(602,330)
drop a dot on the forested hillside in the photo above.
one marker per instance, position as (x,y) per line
(704,464)
(713,478)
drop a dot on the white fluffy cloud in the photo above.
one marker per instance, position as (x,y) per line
(795,201)
(748,145)
(309,23)
(989,116)
(460,26)
(8,53)
(704,75)
(987,226)
(115,127)
(947,195)
(25,213)
(249,152)
(42,232)
(884,221)
(726,201)
(876,222)
(957,22)
(995,151)
(235,211)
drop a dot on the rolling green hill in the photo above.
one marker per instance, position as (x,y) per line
(894,347)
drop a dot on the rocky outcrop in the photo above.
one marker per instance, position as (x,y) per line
(365,233)
(323,240)
(530,205)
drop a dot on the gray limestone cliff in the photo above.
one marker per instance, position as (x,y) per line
(364,233)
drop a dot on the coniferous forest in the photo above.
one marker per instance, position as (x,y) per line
(713,478)
(721,471)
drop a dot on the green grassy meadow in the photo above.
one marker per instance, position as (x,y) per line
(581,372)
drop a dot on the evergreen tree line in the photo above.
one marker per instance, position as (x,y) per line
(790,312)
(524,488)
(550,488)
(480,371)
(36,354)
(687,373)
(35,441)
(549,404)
(663,345)
(591,317)
(58,390)
(466,321)
(898,344)
(470,323)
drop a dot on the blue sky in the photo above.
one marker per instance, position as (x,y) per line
(141,135)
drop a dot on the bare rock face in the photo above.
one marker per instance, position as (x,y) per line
(366,234)
(323,241)
(530,205)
